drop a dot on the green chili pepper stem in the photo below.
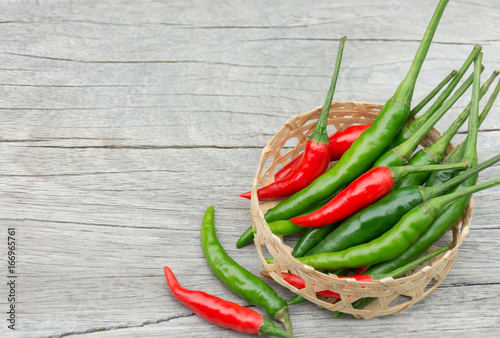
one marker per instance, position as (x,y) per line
(404,92)
(431,95)
(402,270)
(412,127)
(440,189)
(405,149)
(470,152)
(403,171)
(437,149)
(268,328)
(319,134)
(433,206)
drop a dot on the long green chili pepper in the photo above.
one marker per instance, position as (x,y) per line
(379,217)
(402,153)
(435,152)
(456,154)
(396,240)
(369,146)
(409,129)
(250,287)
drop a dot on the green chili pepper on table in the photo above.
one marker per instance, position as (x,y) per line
(250,287)
(369,146)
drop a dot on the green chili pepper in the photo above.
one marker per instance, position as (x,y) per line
(434,153)
(396,240)
(369,146)
(379,217)
(402,153)
(238,279)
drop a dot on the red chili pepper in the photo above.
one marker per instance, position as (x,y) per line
(339,143)
(360,271)
(221,312)
(362,192)
(299,283)
(316,154)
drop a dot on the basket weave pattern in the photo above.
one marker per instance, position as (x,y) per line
(393,295)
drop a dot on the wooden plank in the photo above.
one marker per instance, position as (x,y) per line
(121,122)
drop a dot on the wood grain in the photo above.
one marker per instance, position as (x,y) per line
(120,122)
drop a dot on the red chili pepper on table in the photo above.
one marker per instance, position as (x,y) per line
(316,154)
(339,143)
(222,312)
(366,189)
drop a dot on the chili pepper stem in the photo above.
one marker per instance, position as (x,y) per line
(437,149)
(402,270)
(268,328)
(403,171)
(319,134)
(404,92)
(440,189)
(433,206)
(431,95)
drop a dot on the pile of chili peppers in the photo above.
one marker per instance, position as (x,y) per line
(370,215)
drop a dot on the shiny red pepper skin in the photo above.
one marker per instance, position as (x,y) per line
(314,163)
(365,190)
(339,143)
(299,283)
(217,311)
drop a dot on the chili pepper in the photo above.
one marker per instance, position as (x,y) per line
(299,283)
(365,190)
(435,152)
(299,299)
(316,154)
(281,227)
(238,279)
(379,217)
(455,155)
(312,237)
(411,127)
(339,143)
(369,146)
(401,154)
(396,240)
(450,214)
(222,312)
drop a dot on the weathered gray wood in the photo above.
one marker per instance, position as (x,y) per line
(121,122)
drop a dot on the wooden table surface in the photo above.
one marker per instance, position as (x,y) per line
(121,122)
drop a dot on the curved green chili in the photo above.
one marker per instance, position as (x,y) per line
(238,279)
(369,146)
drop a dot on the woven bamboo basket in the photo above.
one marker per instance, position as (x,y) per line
(392,295)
